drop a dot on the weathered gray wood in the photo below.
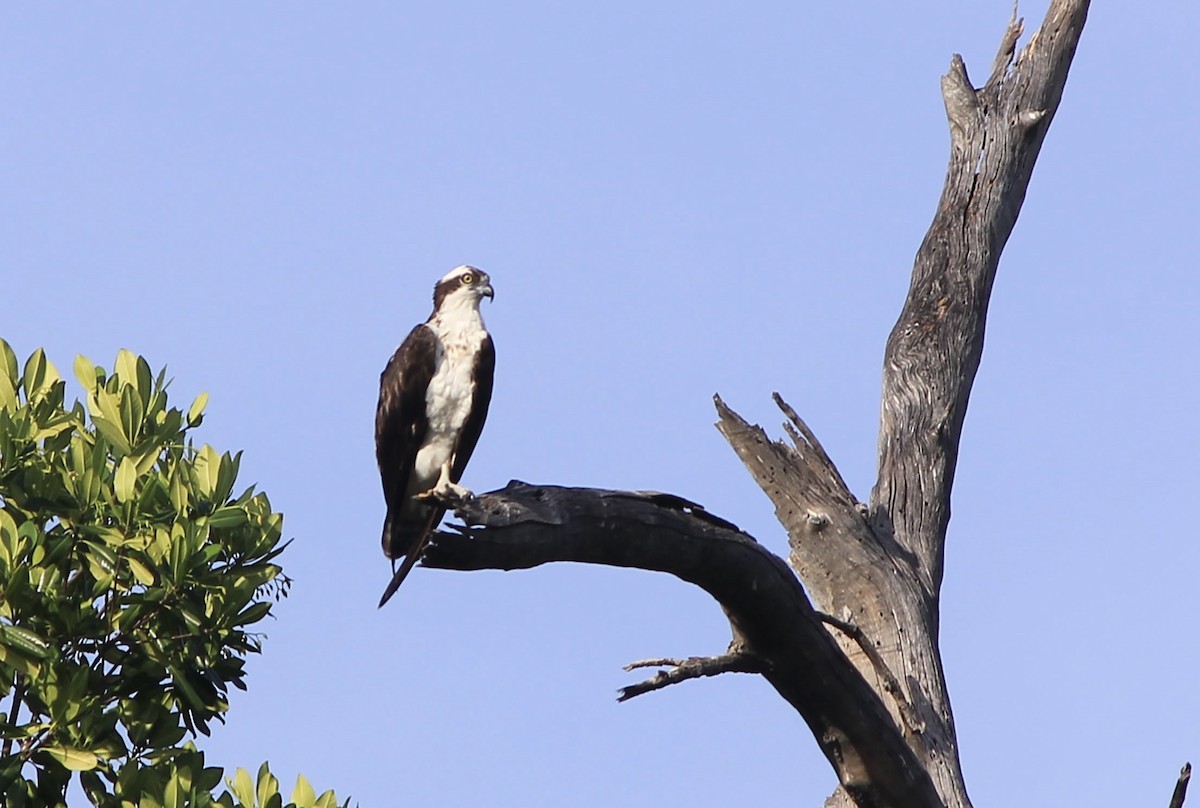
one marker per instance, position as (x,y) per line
(879,566)
(772,620)
(868,680)
(863,578)
(934,349)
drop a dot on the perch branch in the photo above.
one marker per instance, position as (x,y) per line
(523,526)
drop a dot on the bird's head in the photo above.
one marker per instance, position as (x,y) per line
(464,285)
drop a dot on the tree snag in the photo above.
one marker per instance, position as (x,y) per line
(854,649)
(1180,792)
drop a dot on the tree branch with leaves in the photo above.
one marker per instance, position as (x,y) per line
(132,576)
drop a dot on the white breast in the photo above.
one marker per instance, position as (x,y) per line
(449,397)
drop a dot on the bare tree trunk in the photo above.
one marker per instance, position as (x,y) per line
(860,661)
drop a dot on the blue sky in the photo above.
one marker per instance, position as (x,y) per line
(672,201)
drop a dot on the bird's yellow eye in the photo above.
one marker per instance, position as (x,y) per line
(468,278)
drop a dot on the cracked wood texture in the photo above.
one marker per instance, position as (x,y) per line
(879,566)
(883,719)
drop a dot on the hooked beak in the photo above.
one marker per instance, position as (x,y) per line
(487,292)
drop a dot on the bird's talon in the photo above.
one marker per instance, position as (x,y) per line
(447,492)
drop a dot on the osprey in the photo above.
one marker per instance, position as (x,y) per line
(433,399)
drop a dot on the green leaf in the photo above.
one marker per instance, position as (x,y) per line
(18,662)
(40,376)
(112,536)
(207,466)
(144,385)
(126,367)
(208,777)
(8,362)
(26,642)
(184,688)
(46,580)
(242,787)
(173,796)
(268,785)
(227,475)
(191,618)
(9,400)
(140,571)
(9,380)
(131,413)
(111,431)
(196,413)
(178,492)
(76,760)
(54,427)
(252,614)
(167,734)
(227,517)
(170,422)
(101,560)
(303,795)
(35,373)
(125,479)
(85,372)
(8,538)
(106,415)
(93,786)
(147,461)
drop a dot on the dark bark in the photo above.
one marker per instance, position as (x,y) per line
(868,678)
(1180,793)
(772,620)
(735,660)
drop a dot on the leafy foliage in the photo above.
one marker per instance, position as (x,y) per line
(131,576)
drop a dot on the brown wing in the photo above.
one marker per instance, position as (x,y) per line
(400,428)
(482,374)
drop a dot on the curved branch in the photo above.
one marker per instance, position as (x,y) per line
(523,526)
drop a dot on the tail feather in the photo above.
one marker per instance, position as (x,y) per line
(399,575)
(406,538)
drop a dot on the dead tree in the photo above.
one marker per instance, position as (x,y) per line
(848,633)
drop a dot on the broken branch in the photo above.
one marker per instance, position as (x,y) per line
(690,668)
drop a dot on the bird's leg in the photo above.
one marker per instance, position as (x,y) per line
(445,487)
